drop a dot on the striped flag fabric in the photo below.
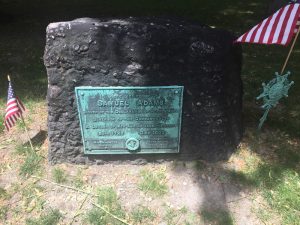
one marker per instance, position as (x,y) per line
(280,28)
(298,22)
(14,108)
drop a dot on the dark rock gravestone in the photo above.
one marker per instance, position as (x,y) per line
(146,52)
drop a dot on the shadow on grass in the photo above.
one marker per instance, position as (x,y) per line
(22,45)
(219,217)
(276,176)
(271,166)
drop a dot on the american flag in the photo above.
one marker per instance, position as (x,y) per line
(279,28)
(298,22)
(14,108)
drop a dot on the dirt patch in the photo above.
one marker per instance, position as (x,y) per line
(193,189)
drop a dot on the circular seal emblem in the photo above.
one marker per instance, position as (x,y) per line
(132,144)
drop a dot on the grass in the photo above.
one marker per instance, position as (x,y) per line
(170,216)
(22,46)
(265,215)
(153,182)
(280,188)
(217,217)
(23,150)
(174,216)
(78,179)
(275,175)
(59,175)
(2,123)
(107,198)
(32,164)
(20,125)
(33,197)
(3,213)
(142,215)
(3,193)
(50,217)
(284,198)
(191,219)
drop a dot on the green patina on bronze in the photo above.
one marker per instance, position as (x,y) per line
(273,92)
(127,120)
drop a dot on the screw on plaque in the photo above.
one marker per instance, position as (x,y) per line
(132,144)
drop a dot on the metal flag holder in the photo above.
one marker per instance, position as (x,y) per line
(277,88)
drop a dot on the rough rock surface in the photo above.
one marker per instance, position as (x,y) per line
(146,52)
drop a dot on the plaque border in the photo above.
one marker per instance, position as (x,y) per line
(127,152)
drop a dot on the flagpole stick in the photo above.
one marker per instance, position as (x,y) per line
(27,132)
(22,118)
(290,52)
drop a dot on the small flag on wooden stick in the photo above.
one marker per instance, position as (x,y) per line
(14,107)
(280,28)
(14,110)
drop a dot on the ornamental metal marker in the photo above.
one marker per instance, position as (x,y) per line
(130,120)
